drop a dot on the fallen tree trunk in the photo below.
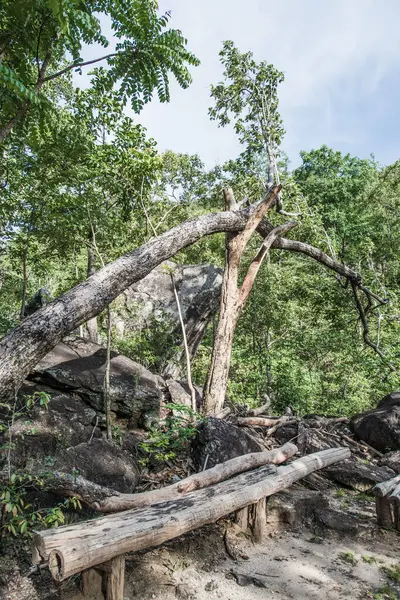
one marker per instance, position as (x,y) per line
(73,549)
(257,421)
(25,345)
(105,500)
(260,410)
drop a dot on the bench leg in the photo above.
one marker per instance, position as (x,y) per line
(259,519)
(115,579)
(383,512)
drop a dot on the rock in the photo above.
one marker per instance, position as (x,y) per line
(337,520)
(380,427)
(45,434)
(78,365)
(178,394)
(151,302)
(102,462)
(390,400)
(63,438)
(355,474)
(218,441)
(295,507)
(286,432)
(392,460)
(40,299)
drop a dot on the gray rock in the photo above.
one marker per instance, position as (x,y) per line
(103,463)
(40,299)
(353,473)
(295,507)
(390,400)
(218,441)
(392,460)
(178,394)
(152,301)
(338,521)
(380,427)
(78,365)
(44,434)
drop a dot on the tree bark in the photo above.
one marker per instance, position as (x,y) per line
(25,345)
(24,280)
(72,549)
(92,327)
(233,299)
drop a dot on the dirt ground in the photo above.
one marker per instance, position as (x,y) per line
(305,564)
(285,565)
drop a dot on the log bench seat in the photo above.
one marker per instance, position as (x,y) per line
(101,543)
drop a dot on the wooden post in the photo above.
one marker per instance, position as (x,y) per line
(383,512)
(259,519)
(115,579)
(91,583)
(242,518)
(105,579)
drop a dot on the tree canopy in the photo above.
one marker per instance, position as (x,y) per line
(78,178)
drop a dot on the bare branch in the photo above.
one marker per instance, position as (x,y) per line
(248,282)
(78,65)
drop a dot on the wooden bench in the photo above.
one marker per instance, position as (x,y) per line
(101,543)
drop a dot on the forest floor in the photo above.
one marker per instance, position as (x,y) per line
(286,565)
(305,563)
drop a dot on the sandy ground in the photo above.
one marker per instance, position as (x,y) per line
(284,566)
(306,564)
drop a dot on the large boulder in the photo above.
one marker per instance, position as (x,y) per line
(380,427)
(63,437)
(103,463)
(45,433)
(151,303)
(218,441)
(78,366)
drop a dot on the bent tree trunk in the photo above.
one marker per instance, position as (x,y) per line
(25,345)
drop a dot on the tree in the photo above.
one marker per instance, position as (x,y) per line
(24,346)
(37,37)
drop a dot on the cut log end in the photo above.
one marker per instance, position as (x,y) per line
(56,565)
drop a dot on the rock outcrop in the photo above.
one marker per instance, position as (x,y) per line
(380,427)
(64,437)
(218,441)
(152,301)
(77,366)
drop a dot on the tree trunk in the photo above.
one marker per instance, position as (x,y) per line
(72,549)
(92,327)
(233,298)
(25,345)
(24,280)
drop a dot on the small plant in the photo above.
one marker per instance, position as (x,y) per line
(370,560)
(170,437)
(19,516)
(348,557)
(392,572)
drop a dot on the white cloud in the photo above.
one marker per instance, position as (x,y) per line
(335,55)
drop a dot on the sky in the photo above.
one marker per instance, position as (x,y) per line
(341,60)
